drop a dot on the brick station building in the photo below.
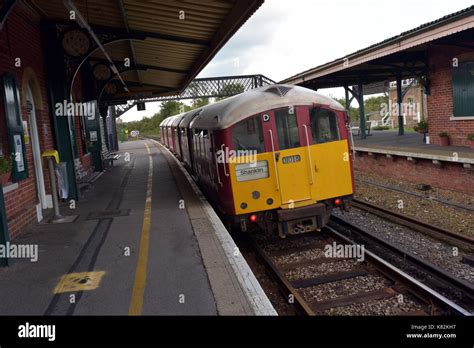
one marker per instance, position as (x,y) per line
(90,56)
(440,56)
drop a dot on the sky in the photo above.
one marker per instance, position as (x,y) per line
(284,37)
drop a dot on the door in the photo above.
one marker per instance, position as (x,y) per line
(291,158)
(36,149)
(11,98)
(93,139)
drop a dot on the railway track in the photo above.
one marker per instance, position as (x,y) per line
(319,285)
(456,239)
(469,208)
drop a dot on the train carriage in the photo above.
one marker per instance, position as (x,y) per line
(276,156)
(176,138)
(164,132)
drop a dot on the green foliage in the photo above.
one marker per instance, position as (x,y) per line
(151,125)
(371,105)
(199,103)
(5,165)
(121,132)
(381,128)
(353,112)
(230,90)
(422,126)
(374,104)
(443,134)
(470,136)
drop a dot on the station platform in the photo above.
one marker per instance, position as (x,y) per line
(411,145)
(145,242)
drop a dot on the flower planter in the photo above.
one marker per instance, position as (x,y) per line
(444,141)
(5,178)
(472,144)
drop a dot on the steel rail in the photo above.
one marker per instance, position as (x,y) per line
(415,284)
(461,285)
(284,284)
(461,240)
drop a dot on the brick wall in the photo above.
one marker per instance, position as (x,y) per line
(415,93)
(440,101)
(452,176)
(21,38)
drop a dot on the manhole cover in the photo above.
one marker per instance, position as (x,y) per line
(79,282)
(108,214)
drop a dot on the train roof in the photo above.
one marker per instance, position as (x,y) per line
(165,122)
(176,119)
(229,111)
(188,117)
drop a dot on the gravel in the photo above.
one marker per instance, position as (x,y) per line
(321,269)
(346,287)
(389,306)
(435,213)
(299,256)
(437,252)
(272,243)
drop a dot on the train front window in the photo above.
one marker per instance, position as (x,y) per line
(248,135)
(287,129)
(324,126)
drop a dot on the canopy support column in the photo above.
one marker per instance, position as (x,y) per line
(360,99)
(401,131)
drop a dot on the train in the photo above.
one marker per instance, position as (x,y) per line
(278,157)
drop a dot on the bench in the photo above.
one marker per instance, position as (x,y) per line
(108,158)
(356,127)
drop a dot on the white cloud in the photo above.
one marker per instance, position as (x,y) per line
(285,37)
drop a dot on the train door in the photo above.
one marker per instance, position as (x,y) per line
(330,154)
(291,159)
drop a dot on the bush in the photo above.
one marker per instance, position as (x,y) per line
(381,128)
(5,165)
(422,126)
(443,134)
(470,136)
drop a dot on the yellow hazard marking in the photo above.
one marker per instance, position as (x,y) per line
(79,282)
(136,303)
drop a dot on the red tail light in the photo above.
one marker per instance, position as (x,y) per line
(337,202)
(253,218)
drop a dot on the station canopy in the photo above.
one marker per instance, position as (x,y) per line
(167,42)
(404,55)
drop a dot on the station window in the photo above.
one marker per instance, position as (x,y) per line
(287,129)
(324,126)
(248,135)
(463,89)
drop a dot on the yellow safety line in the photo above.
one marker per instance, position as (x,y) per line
(136,303)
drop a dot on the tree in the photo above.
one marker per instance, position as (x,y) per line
(371,105)
(151,125)
(199,103)
(231,89)
(353,112)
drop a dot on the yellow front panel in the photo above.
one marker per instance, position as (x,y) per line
(293,170)
(331,178)
(242,190)
(331,164)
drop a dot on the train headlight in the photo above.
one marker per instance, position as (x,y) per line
(255,195)
(269,201)
(243,205)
